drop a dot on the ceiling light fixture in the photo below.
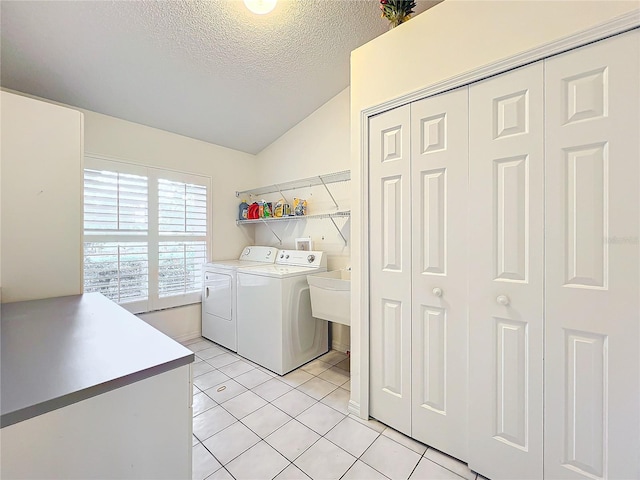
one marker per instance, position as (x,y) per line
(260,6)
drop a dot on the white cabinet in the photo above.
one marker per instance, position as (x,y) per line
(504,267)
(141,430)
(42,148)
(90,391)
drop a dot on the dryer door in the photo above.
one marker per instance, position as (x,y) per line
(218,294)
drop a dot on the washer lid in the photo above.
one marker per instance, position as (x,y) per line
(281,271)
(252,255)
(231,264)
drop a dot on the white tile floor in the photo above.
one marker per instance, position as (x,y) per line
(250,423)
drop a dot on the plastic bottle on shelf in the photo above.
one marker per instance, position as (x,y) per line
(243,210)
(278,209)
(253,212)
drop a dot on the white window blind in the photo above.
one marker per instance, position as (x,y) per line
(180,267)
(182,208)
(182,211)
(115,202)
(118,270)
(146,233)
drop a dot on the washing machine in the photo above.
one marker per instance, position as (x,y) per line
(275,327)
(219,294)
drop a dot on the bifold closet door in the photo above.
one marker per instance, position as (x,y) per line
(506,266)
(439,175)
(592,359)
(390,267)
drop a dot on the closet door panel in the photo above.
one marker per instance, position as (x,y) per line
(439,175)
(506,180)
(390,268)
(592,361)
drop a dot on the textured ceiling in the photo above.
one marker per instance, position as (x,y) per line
(210,70)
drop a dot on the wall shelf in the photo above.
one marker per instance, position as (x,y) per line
(320,180)
(325,180)
(343,213)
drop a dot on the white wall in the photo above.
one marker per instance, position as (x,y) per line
(451,38)
(318,145)
(230,170)
(41,199)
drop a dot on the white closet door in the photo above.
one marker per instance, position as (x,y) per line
(390,268)
(506,197)
(440,174)
(592,359)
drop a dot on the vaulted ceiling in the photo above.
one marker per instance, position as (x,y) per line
(210,70)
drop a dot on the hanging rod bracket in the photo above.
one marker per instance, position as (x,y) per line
(330,194)
(273,232)
(338,229)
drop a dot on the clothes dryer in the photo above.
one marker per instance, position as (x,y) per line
(219,300)
(275,327)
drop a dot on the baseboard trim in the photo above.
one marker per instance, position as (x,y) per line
(354,408)
(341,347)
(187,336)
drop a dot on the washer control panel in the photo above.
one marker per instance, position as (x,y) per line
(303,258)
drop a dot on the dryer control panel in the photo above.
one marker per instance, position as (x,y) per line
(258,253)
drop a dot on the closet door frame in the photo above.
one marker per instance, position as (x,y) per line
(359,402)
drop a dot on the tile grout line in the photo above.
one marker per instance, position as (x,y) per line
(264,439)
(275,406)
(316,401)
(292,462)
(271,402)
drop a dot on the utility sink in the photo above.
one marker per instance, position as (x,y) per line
(331,296)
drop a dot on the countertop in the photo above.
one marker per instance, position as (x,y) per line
(59,351)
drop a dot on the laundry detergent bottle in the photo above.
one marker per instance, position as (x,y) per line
(243,210)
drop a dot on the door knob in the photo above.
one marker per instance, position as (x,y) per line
(503,300)
(437,292)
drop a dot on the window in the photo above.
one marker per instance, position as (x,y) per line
(146,234)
